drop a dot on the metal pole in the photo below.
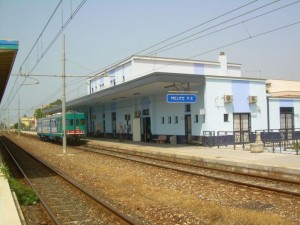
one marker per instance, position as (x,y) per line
(8,119)
(64,97)
(19,114)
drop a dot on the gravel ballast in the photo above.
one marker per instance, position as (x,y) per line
(162,196)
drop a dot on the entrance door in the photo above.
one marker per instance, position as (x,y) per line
(188,128)
(286,122)
(146,129)
(287,118)
(241,127)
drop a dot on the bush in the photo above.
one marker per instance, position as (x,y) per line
(25,194)
(297,147)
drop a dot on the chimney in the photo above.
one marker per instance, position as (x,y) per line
(223,64)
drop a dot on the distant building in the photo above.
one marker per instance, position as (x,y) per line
(283,88)
(29,122)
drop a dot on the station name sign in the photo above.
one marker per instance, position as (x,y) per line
(181,98)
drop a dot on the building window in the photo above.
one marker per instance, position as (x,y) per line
(175,119)
(146,112)
(226,117)
(196,118)
(188,107)
(162,120)
(169,119)
(203,121)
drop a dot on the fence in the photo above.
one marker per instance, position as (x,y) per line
(281,139)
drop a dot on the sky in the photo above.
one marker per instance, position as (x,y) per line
(101,33)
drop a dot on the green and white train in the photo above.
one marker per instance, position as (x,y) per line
(50,127)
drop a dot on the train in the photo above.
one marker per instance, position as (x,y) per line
(50,127)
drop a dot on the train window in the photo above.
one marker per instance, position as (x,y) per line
(77,122)
(71,122)
(82,122)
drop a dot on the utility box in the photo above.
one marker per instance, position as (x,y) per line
(173,140)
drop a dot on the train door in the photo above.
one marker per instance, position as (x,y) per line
(188,127)
(114,124)
(80,123)
(146,132)
(70,123)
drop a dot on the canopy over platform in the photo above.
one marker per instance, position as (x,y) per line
(8,52)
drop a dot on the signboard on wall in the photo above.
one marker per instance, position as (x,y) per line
(181,98)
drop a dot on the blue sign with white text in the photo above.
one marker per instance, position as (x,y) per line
(181,98)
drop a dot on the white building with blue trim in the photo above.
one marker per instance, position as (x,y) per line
(211,98)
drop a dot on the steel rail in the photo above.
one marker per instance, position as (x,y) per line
(45,205)
(105,204)
(173,167)
(108,151)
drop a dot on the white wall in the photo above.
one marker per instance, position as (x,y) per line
(216,108)
(259,110)
(161,108)
(140,67)
(274,115)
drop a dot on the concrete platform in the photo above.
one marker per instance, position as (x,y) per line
(8,210)
(265,161)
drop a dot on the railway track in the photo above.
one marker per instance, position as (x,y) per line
(250,180)
(65,201)
(291,188)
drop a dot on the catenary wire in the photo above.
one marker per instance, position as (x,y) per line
(216,31)
(233,43)
(226,21)
(49,46)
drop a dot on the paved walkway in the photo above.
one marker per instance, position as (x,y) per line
(289,163)
(8,211)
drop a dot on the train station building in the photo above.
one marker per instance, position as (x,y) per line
(183,99)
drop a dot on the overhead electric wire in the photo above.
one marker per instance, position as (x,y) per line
(199,25)
(208,21)
(58,34)
(226,21)
(236,42)
(46,25)
(49,46)
(181,33)
(41,34)
(216,31)
(226,45)
(76,81)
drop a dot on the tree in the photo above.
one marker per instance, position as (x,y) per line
(39,113)
(52,104)
(22,126)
